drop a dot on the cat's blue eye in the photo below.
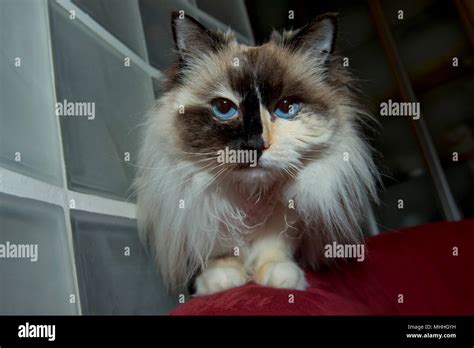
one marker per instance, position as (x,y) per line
(287,107)
(223,108)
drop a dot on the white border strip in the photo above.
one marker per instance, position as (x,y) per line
(101,205)
(20,185)
(67,215)
(109,38)
(24,186)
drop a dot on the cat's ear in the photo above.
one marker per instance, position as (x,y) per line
(318,37)
(192,38)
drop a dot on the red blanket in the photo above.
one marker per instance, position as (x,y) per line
(423,270)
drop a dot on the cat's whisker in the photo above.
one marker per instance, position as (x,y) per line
(289,173)
(174,168)
(175,153)
(294,167)
(223,177)
(314,150)
(200,153)
(185,181)
(224,170)
(210,181)
(310,158)
(145,185)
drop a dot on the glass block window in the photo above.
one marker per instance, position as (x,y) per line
(65,178)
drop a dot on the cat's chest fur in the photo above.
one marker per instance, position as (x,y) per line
(256,214)
(258,208)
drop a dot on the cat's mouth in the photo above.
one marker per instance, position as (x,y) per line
(253,175)
(260,170)
(249,163)
(250,166)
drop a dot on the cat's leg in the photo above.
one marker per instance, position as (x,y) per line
(221,274)
(271,263)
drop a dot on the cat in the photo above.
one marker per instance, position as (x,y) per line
(291,103)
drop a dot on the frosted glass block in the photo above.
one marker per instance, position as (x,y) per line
(231,12)
(30,287)
(115,274)
(100,147)
(156,17)
(28,126)
(121,18)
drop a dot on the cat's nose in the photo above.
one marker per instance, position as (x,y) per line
(256,144)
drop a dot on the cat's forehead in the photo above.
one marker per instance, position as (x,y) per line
(260,61)
(269,69)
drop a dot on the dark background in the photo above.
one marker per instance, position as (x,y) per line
(430,34)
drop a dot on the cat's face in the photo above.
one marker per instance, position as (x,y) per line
(274,106)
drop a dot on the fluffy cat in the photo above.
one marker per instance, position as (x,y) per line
(291,102)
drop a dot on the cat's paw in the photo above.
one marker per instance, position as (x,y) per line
(282,274)
(217,279)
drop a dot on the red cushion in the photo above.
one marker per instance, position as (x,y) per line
(416,262)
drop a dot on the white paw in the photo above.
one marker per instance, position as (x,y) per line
(285,274)
(217,279)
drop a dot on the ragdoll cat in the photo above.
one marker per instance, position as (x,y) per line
(291,103)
